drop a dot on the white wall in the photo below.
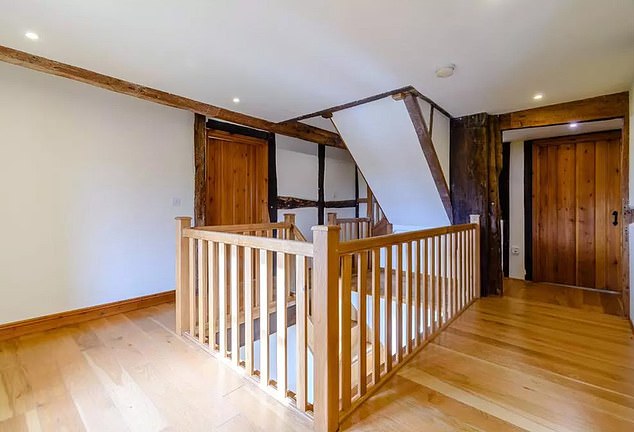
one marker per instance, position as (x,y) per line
(90,183)
(382,139)
(517,267)
(297,172)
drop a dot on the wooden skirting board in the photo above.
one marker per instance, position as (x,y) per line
(49,322)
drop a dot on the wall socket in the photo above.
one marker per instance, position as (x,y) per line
(515,250)
(176,202)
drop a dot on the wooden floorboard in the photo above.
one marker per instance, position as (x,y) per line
(536,361)
(542,358)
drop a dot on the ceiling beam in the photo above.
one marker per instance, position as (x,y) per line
(597,108)
(424,138)
(397,94)
(52,67)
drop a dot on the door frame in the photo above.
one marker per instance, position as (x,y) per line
(202,128)
(529,215)
(613,106)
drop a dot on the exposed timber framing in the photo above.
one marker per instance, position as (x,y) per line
(597,108)
(604,107)
(287,203)
(200,169)
(321,175)
(397,94)
(52,67)
(424,138)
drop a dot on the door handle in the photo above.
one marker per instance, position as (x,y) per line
(615,215)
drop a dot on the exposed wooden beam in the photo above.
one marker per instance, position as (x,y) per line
(200,169)
(597,108)
(397,94)
(424,138)
(52,67)
(286,202)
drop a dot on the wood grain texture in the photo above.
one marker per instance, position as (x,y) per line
(237,179)
(476,158)
(576,187)
(200,168)
(510,364)
(597,108)
(52,67)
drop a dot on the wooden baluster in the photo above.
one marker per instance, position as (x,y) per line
(326,326)
(434,283)
(463,269)
(345,290)
(222,299)
(212,278)
(445,278)
(408,299)
(399,302)
(281,324)
(192,287)
(416,294)
(376,314)
(182,274)
(425,316)
(302,331)
(388,308)
(235,310)
(362,280)
(248,310)
(454,274)
(202,290)
(264,317)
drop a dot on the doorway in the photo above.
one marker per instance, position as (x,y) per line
(576,237)
(236,179)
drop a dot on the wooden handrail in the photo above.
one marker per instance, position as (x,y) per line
(269,244)
(424,278)
(385,240)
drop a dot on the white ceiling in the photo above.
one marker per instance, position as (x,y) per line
(561,130)
(284,58)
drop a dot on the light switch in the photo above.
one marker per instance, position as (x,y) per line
(515,250)
(176,202)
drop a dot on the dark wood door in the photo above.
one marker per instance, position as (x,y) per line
(237,179)
(576,192)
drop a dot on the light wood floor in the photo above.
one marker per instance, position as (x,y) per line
(506,364)
(528,361)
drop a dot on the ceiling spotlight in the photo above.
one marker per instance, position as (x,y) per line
(31,35)
(445,71)
(573,125)
(236,100)
(538,96)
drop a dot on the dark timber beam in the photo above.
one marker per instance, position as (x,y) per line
(424,138)
(200,170)
(397,94)
(597,108)
(476,161)
(52,67)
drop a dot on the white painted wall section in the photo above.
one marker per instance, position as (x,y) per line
(91,182)
(517,268)
(382,140)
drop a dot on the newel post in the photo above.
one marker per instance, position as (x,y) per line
(182,274)
(475,219)
(326,327)
(289,219)
(332,218)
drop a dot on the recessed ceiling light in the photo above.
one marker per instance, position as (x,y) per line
(31,35)
(538,96)
(236,100)
(573,125)
(445,71)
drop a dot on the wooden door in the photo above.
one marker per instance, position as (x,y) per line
(576,190)
(237,179)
